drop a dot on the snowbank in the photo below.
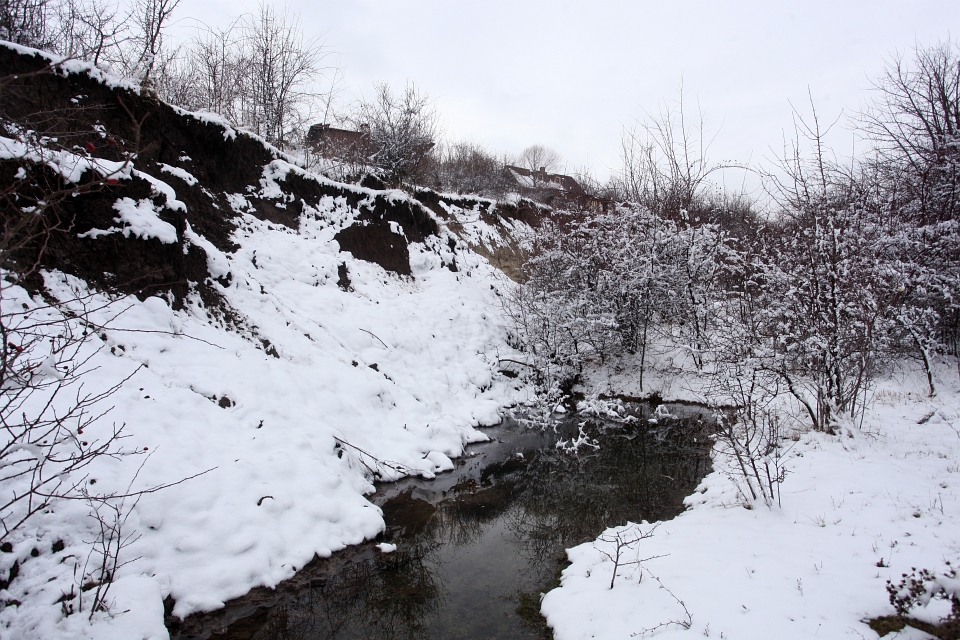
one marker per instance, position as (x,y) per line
(401,369)
(857,509)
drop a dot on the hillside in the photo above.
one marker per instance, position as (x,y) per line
(288,338)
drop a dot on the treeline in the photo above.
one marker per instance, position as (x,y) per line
(259,73)
(846,270)
(262,74)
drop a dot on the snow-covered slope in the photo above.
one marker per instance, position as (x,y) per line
(286,371)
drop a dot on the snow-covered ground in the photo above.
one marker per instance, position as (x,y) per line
(858,508)
(270,420)
(402,368)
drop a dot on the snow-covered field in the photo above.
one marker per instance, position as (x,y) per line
(857,509)
(288,414)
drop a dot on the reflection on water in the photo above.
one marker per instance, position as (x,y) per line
(477,542)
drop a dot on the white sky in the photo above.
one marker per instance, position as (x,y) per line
(569,75)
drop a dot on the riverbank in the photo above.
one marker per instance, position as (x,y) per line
(465,555)
(858,509)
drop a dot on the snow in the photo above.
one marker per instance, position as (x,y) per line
(70,166)
(532,182)
(217,262)
(140,218)
(287,415)
(812,567)
(68,65)
(209,117)
(441,462)
(159,187)
(276,425)
(401,369)
(268,425)
(139,597)
(183,174)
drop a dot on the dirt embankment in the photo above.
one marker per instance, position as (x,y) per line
(205,162)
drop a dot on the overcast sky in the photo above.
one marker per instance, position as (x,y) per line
(570,75)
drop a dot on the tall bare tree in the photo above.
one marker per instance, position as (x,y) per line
(283,68)
(540,158)
(151,18)
(92,30)
(665,164)
(915,121)
(219,71)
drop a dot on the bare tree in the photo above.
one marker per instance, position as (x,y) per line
(915,121)
(664,162)
(26,22)
(92,30)
(151,18)
(283,68)
(539,158)
(403,129)
(219,70)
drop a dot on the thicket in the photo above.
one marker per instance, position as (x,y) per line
(847,268)
(261,73)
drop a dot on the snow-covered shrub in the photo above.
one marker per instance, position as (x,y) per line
(827,284)
(600,284)
(403,129)
(919,588)
(913,122)
(467,167)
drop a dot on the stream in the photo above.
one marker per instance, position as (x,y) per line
(478,545)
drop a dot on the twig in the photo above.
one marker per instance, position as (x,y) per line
(375,336)
(168,333)
(686,623)
(396,466)
(525,364)
(620,541)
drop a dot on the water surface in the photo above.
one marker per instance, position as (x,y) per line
(478,545)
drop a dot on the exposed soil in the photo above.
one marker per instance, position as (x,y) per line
(93,119)
(947,630)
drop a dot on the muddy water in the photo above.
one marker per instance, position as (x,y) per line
(478,545)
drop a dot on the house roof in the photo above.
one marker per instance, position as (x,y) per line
(543,181)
